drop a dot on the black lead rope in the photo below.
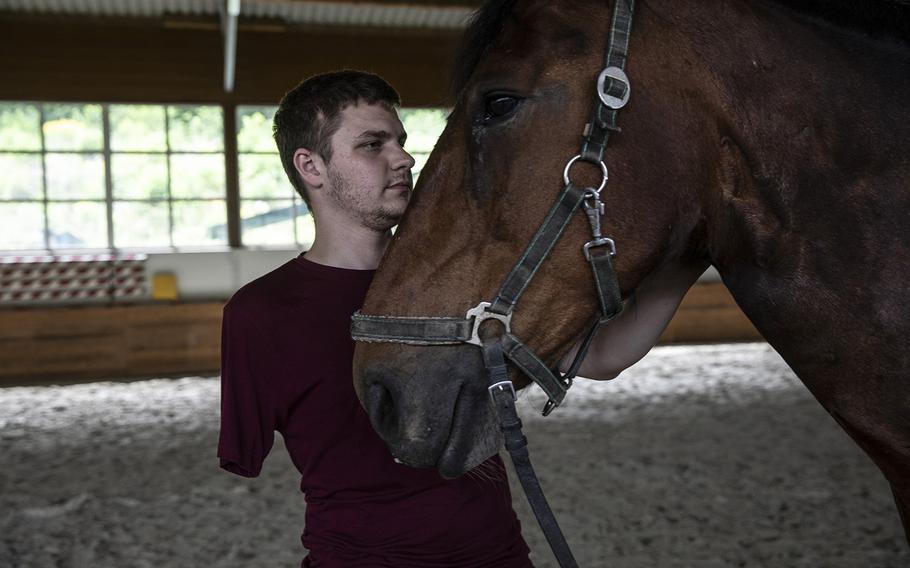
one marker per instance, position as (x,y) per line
(503,397)
(613,90)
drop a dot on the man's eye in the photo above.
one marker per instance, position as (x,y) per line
(499,107)
(372,145)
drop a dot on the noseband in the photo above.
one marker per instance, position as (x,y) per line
(613,91)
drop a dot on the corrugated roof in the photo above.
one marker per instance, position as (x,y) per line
(130,8)
(372,14)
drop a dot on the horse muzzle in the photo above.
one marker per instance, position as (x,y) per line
(430,406)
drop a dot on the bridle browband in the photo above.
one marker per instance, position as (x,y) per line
(613,91)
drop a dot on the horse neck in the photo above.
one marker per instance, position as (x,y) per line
(812,204)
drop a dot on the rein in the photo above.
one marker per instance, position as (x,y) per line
(613,89)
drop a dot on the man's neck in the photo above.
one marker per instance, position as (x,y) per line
(346,246)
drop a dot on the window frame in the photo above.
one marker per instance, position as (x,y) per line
(294,201)
(109,200)
(231,198)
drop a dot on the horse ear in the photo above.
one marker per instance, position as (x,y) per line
(310,167)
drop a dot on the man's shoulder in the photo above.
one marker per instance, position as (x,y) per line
(266,294)
(300,291)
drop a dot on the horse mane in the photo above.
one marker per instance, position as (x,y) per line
(483,29)
(874,17)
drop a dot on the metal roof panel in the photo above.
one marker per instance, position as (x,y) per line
(328,13)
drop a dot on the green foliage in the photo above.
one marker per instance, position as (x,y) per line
(267,208)
(73,127)
(20,127)
(195,128)
(139,176)
(197,175)
(138,128)
(254,129)
(261,176)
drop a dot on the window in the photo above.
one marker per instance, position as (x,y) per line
(114,176)
(423,125)
(271,212)
(97,176)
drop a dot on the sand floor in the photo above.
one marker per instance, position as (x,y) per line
(699,456)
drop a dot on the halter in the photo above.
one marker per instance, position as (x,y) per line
(613,91)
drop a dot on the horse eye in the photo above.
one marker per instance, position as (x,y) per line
(499,107)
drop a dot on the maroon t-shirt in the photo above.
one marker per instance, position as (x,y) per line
(286,367)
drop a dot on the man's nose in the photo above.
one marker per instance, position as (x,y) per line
(403,160)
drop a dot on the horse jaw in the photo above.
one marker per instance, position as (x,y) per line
(447,425)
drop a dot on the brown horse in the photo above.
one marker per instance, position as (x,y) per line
(766,138)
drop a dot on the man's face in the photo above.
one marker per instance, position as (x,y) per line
(369,177)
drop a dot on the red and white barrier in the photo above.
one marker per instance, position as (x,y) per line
(72,279)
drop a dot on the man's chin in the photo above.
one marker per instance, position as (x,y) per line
(381,220)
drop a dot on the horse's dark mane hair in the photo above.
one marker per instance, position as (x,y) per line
(875,17)
(483,29)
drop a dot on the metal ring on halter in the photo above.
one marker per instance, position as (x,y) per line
(480,313)
(609,100)
(603,169)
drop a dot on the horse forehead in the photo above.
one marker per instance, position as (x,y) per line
(559,30)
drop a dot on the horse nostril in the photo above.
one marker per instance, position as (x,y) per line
(381,409)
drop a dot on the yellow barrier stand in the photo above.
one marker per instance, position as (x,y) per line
(164,286)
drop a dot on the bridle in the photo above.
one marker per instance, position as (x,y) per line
(613,91)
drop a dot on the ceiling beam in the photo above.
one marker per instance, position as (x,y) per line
(229,30)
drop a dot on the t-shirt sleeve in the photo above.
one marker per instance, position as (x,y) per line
(247,413)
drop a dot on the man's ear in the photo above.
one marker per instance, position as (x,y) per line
(310,167)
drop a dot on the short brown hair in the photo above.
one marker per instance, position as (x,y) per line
(309,114)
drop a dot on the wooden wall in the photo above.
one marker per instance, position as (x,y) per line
(709,314)
(182,60)
(39,344)
(152,340)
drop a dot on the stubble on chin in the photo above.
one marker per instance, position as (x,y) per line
(379,217)
(384,218)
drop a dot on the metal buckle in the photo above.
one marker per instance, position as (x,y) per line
(501,385)
(480,313)
(603,169)
(608,100)
(549,407)
(599,243)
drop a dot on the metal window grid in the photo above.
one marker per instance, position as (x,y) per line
(107,153)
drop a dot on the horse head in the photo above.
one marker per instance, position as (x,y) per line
(524,90)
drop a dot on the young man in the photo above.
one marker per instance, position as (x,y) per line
(287,351)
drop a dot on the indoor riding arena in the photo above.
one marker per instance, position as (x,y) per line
(141,188)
